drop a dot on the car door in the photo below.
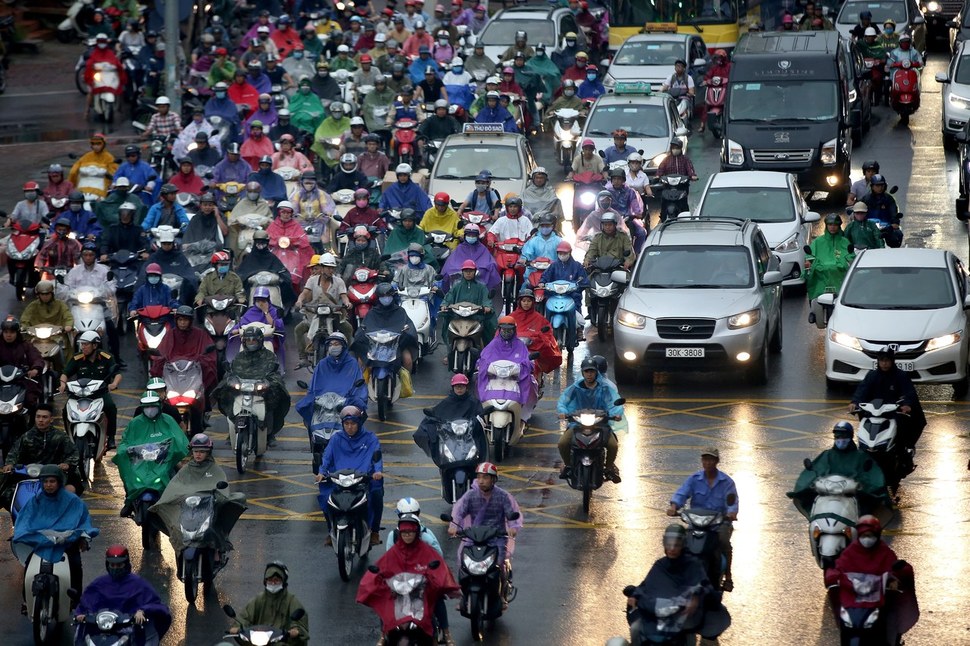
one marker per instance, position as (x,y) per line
(771,294)
(801,208)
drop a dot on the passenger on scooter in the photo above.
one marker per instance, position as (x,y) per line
(882,207)
(711,488)
(152,292)
(541,245)
(126,593)
(862,232)
(15,350)
(272,186)
(610,241)
(405,194)
(565,267)
(332,374)
(468,290)
(43,444)
(59,250)
(276,607)
(359,254)
(889,39)
(93,363)
(470,249)
(534,330)
(890,384)
(387,314)
(286,227)
(149,426)
(188,342)
(588,161)
(861,188)
(186,180)
(56,509)
(844,459)
(254,361)
(91,274)
(262,259)
(441,217)
(870,555)
(484,199)
(870,47)
(506,346)
(592,87)
(409,233)
(98,156)
(460,403)
(232,168)
(353,447)
(84,223)
(362,214)
(172,261)
(438,126)
(903,53)
(262,311)
(511,222)
(677,163)
(832,253)
(591,392)
(540,198)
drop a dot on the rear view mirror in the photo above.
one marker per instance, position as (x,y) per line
(619,402)
(620,276)
(373,569)
(681,131)
(302,384)
(772,278)
(629,591)
(514,516)
(445,517)
(807,463)
(812,216)
(941,77)
(807,250)
(545,329)
(892,191)
(434,565)
(229,610)
(222,484)
(427,412)
(298,614)
(359,383)
(699,62)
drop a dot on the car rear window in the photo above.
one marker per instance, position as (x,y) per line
(465,162)
(756,204)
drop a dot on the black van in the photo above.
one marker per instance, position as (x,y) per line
(788,109)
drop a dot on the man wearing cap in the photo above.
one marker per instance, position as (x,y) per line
(862,232)
(99,156)
(222,69)
(712,489)
(135,169)
(220,105)
(186,180)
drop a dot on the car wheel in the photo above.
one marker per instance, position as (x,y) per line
(949,143)
(758,371)
(960,388)
(832,385)
(624,373)
(776,338)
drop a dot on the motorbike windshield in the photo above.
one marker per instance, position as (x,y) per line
(457,441)
(183,378)
(195,516)
(383,346)
(408,589)
(465,162)
(326,414)
(784,101)
(899,288)
(637,120)
(155,452)
(757,204)
(867,587)
(695,268)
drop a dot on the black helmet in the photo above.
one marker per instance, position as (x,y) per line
(588,364)
(525,292)
(75,196)
(842,428)
(617,172)
(207,197)
(878,180)
(408,214)
(308,174)
(833,218)
(132,149)
(886,352)
(547,218)
(185,310)
(871,165)
(601,363)
(10,323)
(52,471)
(253,333)
(386,289)
(513,200)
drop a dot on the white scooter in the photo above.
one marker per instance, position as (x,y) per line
(246,225)
(88,310)
(75,25)
(566,132)
(831,525)
(86,423)
(107,83)
(45,587)
(344,199)
(416,303)
(503,417)
(878,431)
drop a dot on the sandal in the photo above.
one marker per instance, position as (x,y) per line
(448,641)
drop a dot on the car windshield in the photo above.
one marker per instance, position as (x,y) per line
(784,101)
(899,288)
(963,70)
(881,11)
(465,162)
(637,120)
(756,204)
(653,52)
(695,268)
(502,32)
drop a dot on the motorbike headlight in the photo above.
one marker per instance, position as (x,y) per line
(85,298)
(630,319)
(853,95)
(944,341)
(43,332)
(874,616)
(447,453)
(477,568)
(106,620)
(190,394)
(153,341)
(744,319)
(260,637)
(587,198)
(284,242)
(846,619)
(733,152)
(828,152)
(845,340)
(790,244)
(959,101)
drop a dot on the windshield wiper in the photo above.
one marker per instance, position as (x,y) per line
(653,286)
(451,177)
(637,133)
(598,133)
(706,286)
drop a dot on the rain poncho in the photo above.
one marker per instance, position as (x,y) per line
(92,173)
(498,114)
(174,262)
(329,128)
(374,103)
(199,478)
(336,375)
(276,609)
(543,200)
(405,196)
(227,110)
(473,291)
(524,389)
(139,475)
(62,512)
(451,408)
(190,345)
(392,318)
(356,453)
(540,247)
(543,67)
(460,87)
(529,324)
(850,463)
(433,220)
(831,263)
(306,111)
(292,229)
(267,117)
(400,238)
(126,595)
(263,260)
(261,364)
(578,397)
(487,269)
(203,233)
(254,149)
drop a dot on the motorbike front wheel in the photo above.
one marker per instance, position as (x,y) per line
(242,450)
(498,441)
(190,579)
(82,87)
(383,398)
(475,612)
(559,334)
(45,624)
(602,322)
(345,556)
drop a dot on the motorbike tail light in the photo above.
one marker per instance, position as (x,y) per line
(816,533)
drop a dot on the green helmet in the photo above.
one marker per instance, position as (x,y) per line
(150,397)
(156,383)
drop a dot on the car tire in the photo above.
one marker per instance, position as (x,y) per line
(949,143)
(833,386)
(777,340)
(758,371)
(624,373)
(960,388)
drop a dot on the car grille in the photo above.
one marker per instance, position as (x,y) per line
(902,351)
(781,156)
(685,328)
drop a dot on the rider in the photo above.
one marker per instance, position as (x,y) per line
(387,314)
(506,346)
(677,163)
(93,275)
(84,223)
(890,384)
(492,112)
(31,208)
(468,290)
(276,606)
(540,197)
(350,178)
(332,374)
(409,233)
(904,53)
(590,392)
(865,23)
(565,267)
(484,199)
(587,161)
(187,342)
(262,259)
(711,488)
(359,254)
(404,194)
(93,363)
(47,309)
(353,447)
(889,39)
(59,250)
(17,351)
(534,330)
(441,217)
(152,292)
(437,127)
(860,188)
(99,158)
(257,362)
(124,234)
(862,232)
(567,100)
(124,592)
(221,282)
(543,244)
(832,256)
(680,85)
(511,223)
(44,444)
(166,211)
(610,241)
(721,68)
(882,207)
(461,403)
(471,249)
(592,87)
(417,273)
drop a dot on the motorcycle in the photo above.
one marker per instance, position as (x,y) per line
(125,265)
(247,225)
(23,245)
(416,303)
(714,95)
(361,292)
(229,195)
(326,420)
(504,426)
(458,455)
(259,634)
(161,158)
(152,324)
(290,257)
(197,562)
(566,132)
(604,293)
(384,387)
(483,220)
(25,481)
(108,627)
(673,195)
(825,278)
(87,423)
(49,341)
(585,187)
(80,15)
(87,308)
(439,245)
(904,94)
(407,604)
(272,282)
(403,146)
(559,304)
(156,455)
(247,423)
(106,89)
(349,509)
(878,69)
(878,436)
(480,575)
(46,585)
(185,391)
(590,433)
(465,334)
(835,511)
(324,321)
(14,420)
(539,265)
(221,315)
(344,200)
(507,255)
(703,541)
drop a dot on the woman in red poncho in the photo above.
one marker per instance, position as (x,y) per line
(408,566)
(529,325)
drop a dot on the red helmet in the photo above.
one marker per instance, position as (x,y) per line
(459,379)
(219,256)
(153,268)
(31,186)
(564,247)
(442,197)
(868,524)
(468,264)
(487,468)
(117,555)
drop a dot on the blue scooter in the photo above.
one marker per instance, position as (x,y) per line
(560,308)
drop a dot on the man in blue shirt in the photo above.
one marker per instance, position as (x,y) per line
(405,194)
(137,171)
(712,489)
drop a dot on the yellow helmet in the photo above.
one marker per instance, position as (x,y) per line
(314,260)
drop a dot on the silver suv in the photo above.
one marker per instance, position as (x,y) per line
(704,295)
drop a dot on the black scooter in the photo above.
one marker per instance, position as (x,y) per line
(458,454)
(350,529)
(125,265)
(673,195)
(587,448)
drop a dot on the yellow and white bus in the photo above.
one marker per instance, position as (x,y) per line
(717,21)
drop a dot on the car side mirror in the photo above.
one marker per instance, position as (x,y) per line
(376,457)
(302,384)
(961,137)
(807,463)
(918,20)
(681,131)
(941,77)
(619,276)
(229,610)
(772,278)
(812,216)
(683,215)
(827,299)
(952,24)
(966,302)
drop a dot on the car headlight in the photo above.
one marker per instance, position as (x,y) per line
(630,319)
(655,162)
(944,341)
(932,7)
(609,81)
(845,340)
(744,319)
(958,101)
(734,153)
(828,152)
(790,244)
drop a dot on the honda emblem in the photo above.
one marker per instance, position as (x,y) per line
(894,347)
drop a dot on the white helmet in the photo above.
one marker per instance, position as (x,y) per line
(617,641)
(90,337)
(635,157)
(356,121)
(403,169)
(440,103)
(327,260)
(457,61)
(870,31)
(408,506)
(163,100)
(342,49)
(284,204)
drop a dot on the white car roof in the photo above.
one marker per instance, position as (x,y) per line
(903,257)
(750,178)
(640,38)
(639,99)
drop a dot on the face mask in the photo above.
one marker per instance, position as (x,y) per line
(563,257)
(481,188)
(252,196)
(323,74)
(116,574)
(75,207)
(442,41)
(154,280)
(676,152)
(297,54)
(362,204)
(223,269)
(471,239)
(842,443)
(569,92)
(507,335)
(31,195)
(457,69)
(151,412)
(570,43)
(273,589)
(590,77)
(545,230)
(414,260)
(102,45)
(386,300)
(890,30)
(868,541)
(335,351)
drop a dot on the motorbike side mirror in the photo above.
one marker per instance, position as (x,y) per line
(222,484)
(851,248)
(302,384)
(601,153)
(434,565)
(640,152)
(807,249)
(209,175)
(514,516)
(298,614)
(385,257)
(229,610)
(731,499)
(439,276)
(75,155)
(629,591)
(427,412)
(119,160)
(545,328)
(338,218)
(445,517)
(376,457)
(533,355)
(111,275)
(211,348)
(619,402)
(807,463)
(73,594)
(892,191)
(359,383)
(59,278)
(373,569)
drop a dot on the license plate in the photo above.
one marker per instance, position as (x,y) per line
(685,353)
(905,97)
(907,366)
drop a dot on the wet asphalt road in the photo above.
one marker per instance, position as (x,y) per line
(569,568)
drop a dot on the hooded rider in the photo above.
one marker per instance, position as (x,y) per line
(460,404)
(257,362)
(506,346)
(387,314)
(333,374)
(405,194)
(276,606)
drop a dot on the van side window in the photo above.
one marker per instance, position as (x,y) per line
(566,25)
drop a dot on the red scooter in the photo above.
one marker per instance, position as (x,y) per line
(539,265)
(507,254)
(152,323)
(405,132)
(714,97)
(293,260)
(878,69)
(22,248)
(361,292)
(904,95)
(483,220)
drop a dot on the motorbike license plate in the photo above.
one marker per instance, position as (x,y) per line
(907,366)
(684,353)
(905,98)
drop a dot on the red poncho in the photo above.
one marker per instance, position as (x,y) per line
(191,345)
(529,324)
(855,558)
(240,93)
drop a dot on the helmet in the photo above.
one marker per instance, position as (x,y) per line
(871,165)
(588,364)
(163,100)
(10,323)
(547,218)
(361,193)
(185,310)
(170,188)
(361,232)
(132,149)
(337,336)
(308,175)
(351,413)
(253,333)
(403,169)
(870,31)
(886,352)
(889,21)
(348,158)
(31,186)
(905,38)
(276,568)
(89,246)
(878,180)
(833,218)
(676,532)
(440,103)
(842,428)
(284,204)
(617,172)
(603,195)
(515,199)
(865,15)
(408,214)
(442,197)
(219,256)
(52,471)
(620,132)
(408,506)
(459,380)
(44,287)
(564,247)
(635,157)
(371,136)
(487,468)
(328,260)
(90,337)
(539,170)
(386,289)
(569,83)
(261,235)
(484,176)
(55,168)
(506,321)
(155,383)
(117,555)
(472,228)
(588,143)
(154,268)
(525,292)
(150,398)
(207,197)
(200,442)
(868,524)
(601,363)
(261,292)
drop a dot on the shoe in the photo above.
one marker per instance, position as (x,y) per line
(375,538)
(613,475)
(126,510)
(328,541)
(811,317)
(110,444)
(565,472)
(728,584)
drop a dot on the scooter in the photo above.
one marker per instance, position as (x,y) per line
(221,315)
(326,420)
(349,510)
(604,293)
(156,452)
(507,254)
(904,95)
(703,541)
(23,245)
(48,339)
(835,511)
(827,275)
(109,627)
(402,141)
(344,199)
(714,95)
(185,391)
(483,220)
(465,334)
(503,417)
(673,195)
(259,634)
(197,562)
(87,423)
(46,585)
(125,265)
(361,292)
(480,575)
(270,281)
(14,420)
(458,455)
(247,225)
(585,187)
(161,158)
(539,265)
(416,303)
(878,69)
(80,15)
(152,324)
(106,89)
(324,321)
(87,308)
(439,245)
(25,480)
(878,436)
(407,603)
(566,132)
(382,355)
(247,423)
(290,257)
(559,304)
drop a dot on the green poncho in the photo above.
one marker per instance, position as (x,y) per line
(329,128)
(832,260)
(276,610)
(306,110)
(545,69)
(850,463)
(162,435)
(400,238)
